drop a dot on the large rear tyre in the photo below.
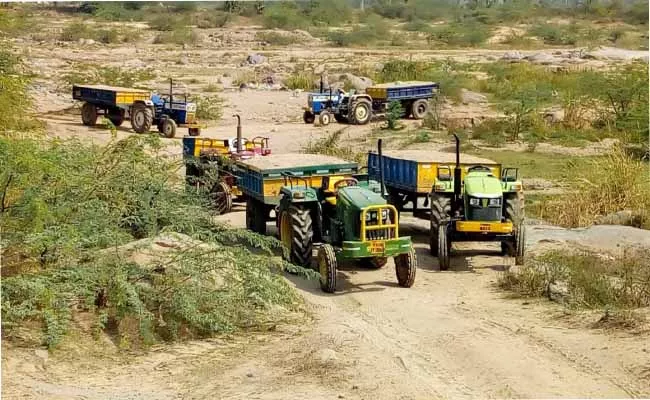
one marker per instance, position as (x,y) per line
(168,128)
(520,244)
(440,210)
(308,117)
(327,268)
(374,262)
(88,114)
(141,118)
(296,234)
(405,267)
(360,112)
(221,197)
(444,247)
(419,108)
(255,216)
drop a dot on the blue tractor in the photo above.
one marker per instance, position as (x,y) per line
(322,104)
(170,113)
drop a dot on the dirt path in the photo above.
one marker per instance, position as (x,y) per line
(452,335)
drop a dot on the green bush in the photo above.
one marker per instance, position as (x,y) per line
(167,23)
(554,34)
(213,19)
(60,233)
(115,76)
(277,39)
(15,103)
(284,15)
(418,25)
(330,12)
(393,114)
(209,108)
(460,35)
(178,36)
(300,80)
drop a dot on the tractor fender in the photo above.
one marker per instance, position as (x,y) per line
(361,96)
(297,195)
(148,103)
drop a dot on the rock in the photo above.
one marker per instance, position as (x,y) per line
(553,116)
(325,355)
(624,218)
(184,60)
(558,291)
(269,80)
(249,374)
(541,58)
(512,56)
(469,97)
(255,59)
(611,53)
(359,83)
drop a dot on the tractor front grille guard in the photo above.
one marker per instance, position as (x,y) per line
(379,223)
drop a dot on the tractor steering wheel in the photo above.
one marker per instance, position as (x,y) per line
(347,181)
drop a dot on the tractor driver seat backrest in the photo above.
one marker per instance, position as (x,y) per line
(329,189)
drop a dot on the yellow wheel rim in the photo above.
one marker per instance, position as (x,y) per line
(285,230)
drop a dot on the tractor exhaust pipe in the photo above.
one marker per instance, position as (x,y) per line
(171,94)
(239,137)
(322,89)
(457,174)
(381,168)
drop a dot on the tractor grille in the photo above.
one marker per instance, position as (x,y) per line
(380,224)
(484,213)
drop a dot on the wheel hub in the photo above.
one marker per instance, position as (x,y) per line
(360,113)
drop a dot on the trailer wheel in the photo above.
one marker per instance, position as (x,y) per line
(141,118)
(168,128)
(440,209)
(520,244)
(88,114)
(308,117)
(296,234)
(420,108)
(324,118)
(444,247)
(340,119)
(221,197)
(327,268)
(405,267)
(374,262)
(360,112)
(116,116)
(194,131)
(255,216)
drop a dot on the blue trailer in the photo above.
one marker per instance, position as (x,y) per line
(413,96)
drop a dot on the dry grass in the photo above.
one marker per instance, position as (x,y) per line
(330,146)
(602,187)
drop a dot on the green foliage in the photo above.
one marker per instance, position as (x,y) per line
(329,12)
(284,15)
(459,35)
(14,23)
(373,30)
(277,39)
(300,80)
(213,19)
(393,114)
(55,226)
(167,22)
(209,108)
(330,146)
(116,11)
(555,34)
(418,25)
(15,103)
(113,76)
(80,30)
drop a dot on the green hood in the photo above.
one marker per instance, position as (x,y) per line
(359,197)
(482,184)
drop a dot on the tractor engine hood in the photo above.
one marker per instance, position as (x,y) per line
(358,197)
(483,185)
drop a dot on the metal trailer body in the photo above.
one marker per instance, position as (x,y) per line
(111,101)
(412,95)
(410,174)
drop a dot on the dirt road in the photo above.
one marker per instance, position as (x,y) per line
(452,335)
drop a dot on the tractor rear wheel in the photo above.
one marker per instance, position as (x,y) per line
(520,244)
(141,118)
(374,262)
(419,108)
(360,112)
(444,247)
(327,268)
(325,118)
(255,216)
(440,209)
(168,128)
(88,114)
(405,267)
(514,210)
(296,234)
(308,117)
(221,197)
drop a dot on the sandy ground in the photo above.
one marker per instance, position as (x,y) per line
(452,335)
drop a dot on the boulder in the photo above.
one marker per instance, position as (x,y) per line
(360,83)
(558,291)
(512,56)
(255,59)
(624,218)
(541,58)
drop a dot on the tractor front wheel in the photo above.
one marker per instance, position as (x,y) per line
(405,266)
(325,118)
(89,114)
(141,118)
(520,244)
(168,128)
(308,117)
(444,247)
(221,197)
(296,234)
(440,210)
(374,262)
(327,268)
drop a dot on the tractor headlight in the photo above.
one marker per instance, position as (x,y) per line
(368,217)
(495,202)
(473,201)
(384,214)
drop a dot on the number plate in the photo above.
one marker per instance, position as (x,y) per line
(485,228)
(376,247)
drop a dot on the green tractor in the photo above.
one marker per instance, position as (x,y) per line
(475,205)
(352,221)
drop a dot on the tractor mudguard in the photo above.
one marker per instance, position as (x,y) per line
(301,194)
